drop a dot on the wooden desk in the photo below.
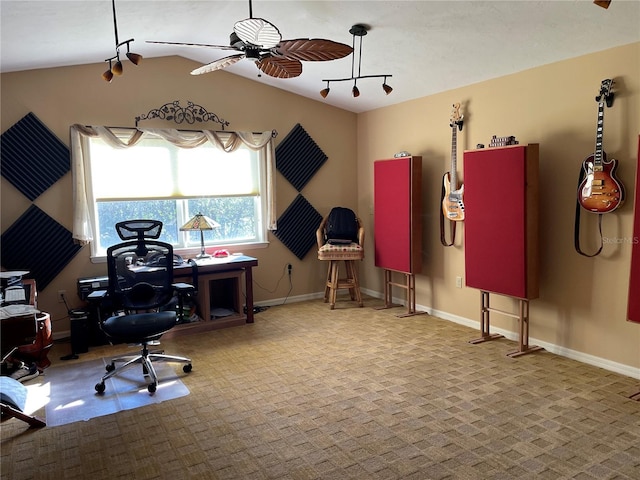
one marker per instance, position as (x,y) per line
(221,272)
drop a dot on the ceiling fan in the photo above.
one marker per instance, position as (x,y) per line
(260,41)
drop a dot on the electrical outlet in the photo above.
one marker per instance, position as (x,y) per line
(459,282)
(61,295)
(289,268)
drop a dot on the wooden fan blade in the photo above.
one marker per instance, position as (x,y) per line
(602,3)
(206,45)
(312,49)
(218,64)
(257,31)
(280,67)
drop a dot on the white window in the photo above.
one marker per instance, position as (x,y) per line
(155,179)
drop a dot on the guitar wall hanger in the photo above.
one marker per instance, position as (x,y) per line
(608,95)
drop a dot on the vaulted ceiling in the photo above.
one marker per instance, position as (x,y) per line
(428,46)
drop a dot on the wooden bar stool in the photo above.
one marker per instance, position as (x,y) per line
(334,254)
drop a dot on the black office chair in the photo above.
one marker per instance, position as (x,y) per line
(143,297)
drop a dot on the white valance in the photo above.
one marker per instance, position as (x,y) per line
(225,141)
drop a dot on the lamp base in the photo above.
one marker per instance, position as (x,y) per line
(203,255)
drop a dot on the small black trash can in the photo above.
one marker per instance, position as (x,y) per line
(79,320)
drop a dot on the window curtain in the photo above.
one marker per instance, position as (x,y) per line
(226,141)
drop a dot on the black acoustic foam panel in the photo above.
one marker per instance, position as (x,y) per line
(297,226)
(37,243)
(298,157)
(32,157)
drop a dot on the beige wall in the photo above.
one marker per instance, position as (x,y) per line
(61,97)
(582,304)
(583,301)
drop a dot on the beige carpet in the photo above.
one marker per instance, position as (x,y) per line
(354,393)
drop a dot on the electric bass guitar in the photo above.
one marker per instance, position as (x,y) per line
(452,204)
(600,191)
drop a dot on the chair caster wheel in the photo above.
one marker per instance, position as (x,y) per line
(111,367)
(100,387)
(187,368)
(152,387)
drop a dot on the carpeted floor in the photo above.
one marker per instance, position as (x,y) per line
(309,393)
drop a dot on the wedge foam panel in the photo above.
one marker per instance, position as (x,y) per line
(32,157)
(297,226)
(37,243)
(298,157)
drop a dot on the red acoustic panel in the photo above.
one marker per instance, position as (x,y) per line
(633,313)
(498,226)
(397,226)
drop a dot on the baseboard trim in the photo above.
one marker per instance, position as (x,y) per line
(600,362)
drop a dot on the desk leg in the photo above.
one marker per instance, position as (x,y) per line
(248,278)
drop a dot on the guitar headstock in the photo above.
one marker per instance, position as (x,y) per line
(456,118)
(606,93)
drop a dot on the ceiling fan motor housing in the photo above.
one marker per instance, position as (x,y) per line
(235,41)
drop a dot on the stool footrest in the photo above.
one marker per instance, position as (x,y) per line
(334,282)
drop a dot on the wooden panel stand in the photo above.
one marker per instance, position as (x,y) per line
(523,321)
(409,286)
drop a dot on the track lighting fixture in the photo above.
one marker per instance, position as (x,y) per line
(325,91)
(116,68)
(358,30)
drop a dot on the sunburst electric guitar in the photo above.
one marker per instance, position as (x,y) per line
(452,204)
(600,191)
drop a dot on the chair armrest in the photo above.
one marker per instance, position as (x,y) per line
(360,235)
(320,232)
(97,295)
(182,287)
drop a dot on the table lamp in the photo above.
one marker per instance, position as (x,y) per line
(200,222)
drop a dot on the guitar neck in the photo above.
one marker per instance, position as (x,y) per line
(453,177)
(597,156)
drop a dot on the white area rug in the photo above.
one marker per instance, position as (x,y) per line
(68,392)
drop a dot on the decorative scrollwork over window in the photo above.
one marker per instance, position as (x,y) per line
(190,114)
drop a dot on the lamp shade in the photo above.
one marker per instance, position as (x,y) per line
(200,222)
